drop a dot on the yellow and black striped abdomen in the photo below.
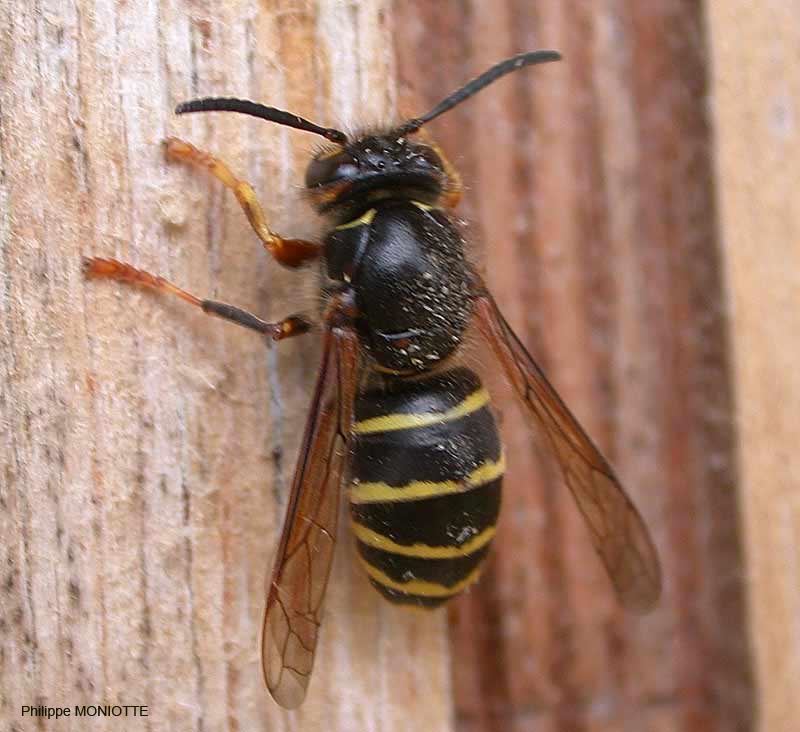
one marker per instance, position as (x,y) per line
(427,469)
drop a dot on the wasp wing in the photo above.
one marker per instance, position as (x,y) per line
(305,553)
(618,532)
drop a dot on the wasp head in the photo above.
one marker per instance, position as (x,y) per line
(372,168)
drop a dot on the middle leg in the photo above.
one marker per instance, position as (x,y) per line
(112,269)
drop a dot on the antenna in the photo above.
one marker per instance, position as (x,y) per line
(474,86)
(245,106)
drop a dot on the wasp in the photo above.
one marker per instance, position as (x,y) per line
(393,413)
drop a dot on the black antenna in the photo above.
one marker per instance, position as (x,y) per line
(245,106)
(474,86)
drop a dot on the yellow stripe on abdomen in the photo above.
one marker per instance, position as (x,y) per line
(379,492)
(401,421)
(423,551)
(420,588)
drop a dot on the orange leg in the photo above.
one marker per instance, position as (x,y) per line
(111,269)
(289,252)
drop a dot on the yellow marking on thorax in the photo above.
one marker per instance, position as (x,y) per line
(420,587)
(363,220)
(423,551)
(380,492)
(398,421)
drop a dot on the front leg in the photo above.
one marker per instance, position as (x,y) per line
(289,252)
(111,269)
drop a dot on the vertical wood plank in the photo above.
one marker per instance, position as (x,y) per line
(146,451)
(589,186)
(756,88)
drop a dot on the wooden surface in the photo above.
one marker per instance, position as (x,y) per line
(757,91)
(145,450)
(591,195)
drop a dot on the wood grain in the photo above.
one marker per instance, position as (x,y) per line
(146,450)
(591,197)
(756,92)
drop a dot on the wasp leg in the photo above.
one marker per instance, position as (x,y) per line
(111,269)
(289,252)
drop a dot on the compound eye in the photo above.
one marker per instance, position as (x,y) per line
(330,167)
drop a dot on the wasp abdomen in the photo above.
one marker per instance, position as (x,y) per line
(427,469)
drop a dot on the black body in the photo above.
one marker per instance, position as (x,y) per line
(427,462)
